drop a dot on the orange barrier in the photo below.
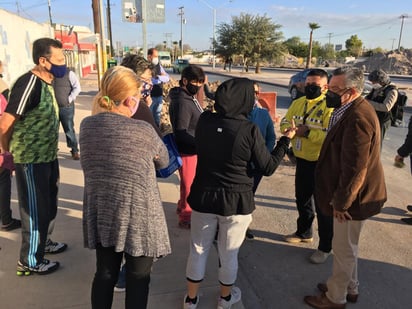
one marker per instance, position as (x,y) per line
(268,101)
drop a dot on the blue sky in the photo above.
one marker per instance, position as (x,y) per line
(376,23)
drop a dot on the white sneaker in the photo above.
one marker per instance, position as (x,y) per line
(319,257)
(236,296)
(190,305)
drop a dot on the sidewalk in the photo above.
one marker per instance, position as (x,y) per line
(272,273)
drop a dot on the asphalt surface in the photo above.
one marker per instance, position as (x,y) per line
(272,273)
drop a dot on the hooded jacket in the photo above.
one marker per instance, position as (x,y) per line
(184,111)
(227,145)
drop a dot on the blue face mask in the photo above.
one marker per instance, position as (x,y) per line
(57,70)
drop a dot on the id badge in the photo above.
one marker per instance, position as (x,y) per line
(298,144)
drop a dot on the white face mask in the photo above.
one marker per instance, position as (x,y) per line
(155,60)
(376,86)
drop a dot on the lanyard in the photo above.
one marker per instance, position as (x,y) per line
(310,111)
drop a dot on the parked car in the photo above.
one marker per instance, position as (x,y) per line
(179,65)
(296,86)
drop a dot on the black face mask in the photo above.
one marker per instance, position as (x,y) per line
(333,100)
(192,89)
(312,91)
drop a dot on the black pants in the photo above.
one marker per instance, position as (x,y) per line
(5,195)
(304,188)
(37,188)
(138,271)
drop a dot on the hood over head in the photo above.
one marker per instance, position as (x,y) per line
(379,76)
(235,97)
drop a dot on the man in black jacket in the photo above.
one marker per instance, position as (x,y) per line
(383,97)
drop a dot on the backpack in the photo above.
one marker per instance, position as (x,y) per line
(398,109)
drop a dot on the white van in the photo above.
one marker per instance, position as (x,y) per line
(165,59)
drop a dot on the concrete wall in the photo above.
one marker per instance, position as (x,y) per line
(16,37)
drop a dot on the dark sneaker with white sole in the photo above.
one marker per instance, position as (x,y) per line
(44,268)
(14,224)
(54,247)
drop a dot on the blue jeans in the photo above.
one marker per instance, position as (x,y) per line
(66,115)
(156,108)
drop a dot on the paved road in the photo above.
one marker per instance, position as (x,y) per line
(273,274)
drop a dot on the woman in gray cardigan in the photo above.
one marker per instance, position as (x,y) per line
(122,209)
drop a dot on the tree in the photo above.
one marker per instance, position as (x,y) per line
(354,46)
(255,38)
(327,52)
(296,47)
(312,26)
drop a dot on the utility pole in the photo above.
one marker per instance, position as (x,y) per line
(393,43)
(181,13)
(403,16)
(50,14)
(109,28)
(144,27)
(97,31)
(329,34)
(168,36)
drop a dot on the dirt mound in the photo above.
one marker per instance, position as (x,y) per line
(391,62)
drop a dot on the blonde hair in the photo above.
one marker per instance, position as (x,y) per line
(117,84)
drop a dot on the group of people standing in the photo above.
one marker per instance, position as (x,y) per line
(335,136)
(339,173)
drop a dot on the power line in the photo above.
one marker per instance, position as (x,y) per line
(392,20)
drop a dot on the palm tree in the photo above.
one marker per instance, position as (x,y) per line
(312,27)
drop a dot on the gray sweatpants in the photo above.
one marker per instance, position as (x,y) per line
(231,234)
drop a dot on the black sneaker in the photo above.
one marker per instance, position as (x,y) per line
(14,224)
(54,247)
(249,235)
(409,207)
(44,268)
(407,220)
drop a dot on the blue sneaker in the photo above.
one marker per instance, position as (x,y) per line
(121,281)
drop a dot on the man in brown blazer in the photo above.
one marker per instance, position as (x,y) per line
(349,182)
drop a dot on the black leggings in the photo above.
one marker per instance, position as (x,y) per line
(107,271)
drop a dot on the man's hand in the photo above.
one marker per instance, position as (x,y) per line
(148,100)
(291,131)
(301,130)
(341,216)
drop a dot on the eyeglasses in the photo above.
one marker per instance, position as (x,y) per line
(338,90)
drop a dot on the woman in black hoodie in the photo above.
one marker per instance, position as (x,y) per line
(221,196)
(184,113)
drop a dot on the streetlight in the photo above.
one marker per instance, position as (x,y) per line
(181,14)
(214,27)
(214,32)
